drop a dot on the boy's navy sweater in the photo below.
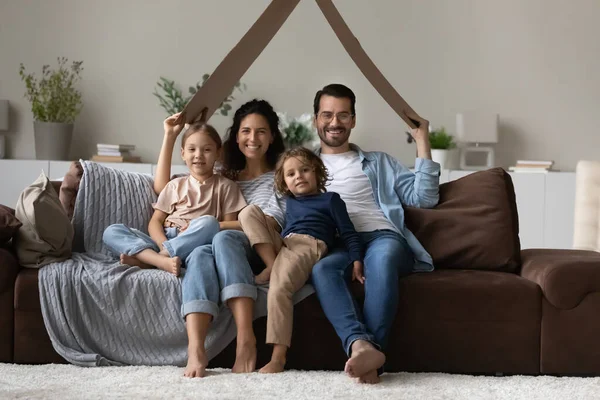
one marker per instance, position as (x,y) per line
(320,216)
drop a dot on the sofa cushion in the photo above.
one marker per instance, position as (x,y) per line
(466,322)
(474,226)
(9,224)
(69,187)
(46,234)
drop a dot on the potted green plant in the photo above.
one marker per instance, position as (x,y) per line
(296,131)
(55,103)
(442,146)
(172,100)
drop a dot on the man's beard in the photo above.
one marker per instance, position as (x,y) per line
(338,141)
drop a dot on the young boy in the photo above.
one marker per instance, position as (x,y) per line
(313,219)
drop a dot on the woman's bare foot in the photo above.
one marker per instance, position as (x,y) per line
(365,359)
(197,363)
(370,377)
(170,264)
(273,367)
(263,277)
(245,357)
(133,261)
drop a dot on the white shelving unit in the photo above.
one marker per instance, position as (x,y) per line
(545,202)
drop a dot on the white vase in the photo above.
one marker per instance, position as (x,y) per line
(448,159)
(441,157)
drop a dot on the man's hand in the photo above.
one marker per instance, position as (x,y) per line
(172,129)
(357,272)
(421,136)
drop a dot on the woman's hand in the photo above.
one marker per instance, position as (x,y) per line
(172,129)
(357,272)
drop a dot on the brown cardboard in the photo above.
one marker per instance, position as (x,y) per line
(236,63)
(365,64)
(209,97)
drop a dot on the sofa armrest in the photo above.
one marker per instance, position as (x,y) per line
(565,276)
(9,268)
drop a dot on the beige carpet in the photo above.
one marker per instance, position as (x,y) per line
(70,382)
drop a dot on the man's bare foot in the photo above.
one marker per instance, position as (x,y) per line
(197,362)
(245,357)
(365,358)
(133,261)
(263,277)
(170,264)
(370,377)
(273,367)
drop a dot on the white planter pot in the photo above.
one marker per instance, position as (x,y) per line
(443,157)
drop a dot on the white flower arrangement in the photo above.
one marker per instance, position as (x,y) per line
(296,131)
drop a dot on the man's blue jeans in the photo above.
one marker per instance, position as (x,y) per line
(124,240)
(388,257)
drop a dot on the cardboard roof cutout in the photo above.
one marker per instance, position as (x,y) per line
(210,96)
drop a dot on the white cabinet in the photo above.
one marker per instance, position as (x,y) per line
(16,175)
(545,202)
(175,169)
(559,210)
(530,194)
(58,170)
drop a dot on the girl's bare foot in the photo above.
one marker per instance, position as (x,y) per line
(164,252)
(197,363)
(133,261)
(170,264)
(364,360)
(245,357)
(273,367)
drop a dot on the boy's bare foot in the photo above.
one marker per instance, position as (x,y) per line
(170,264)
(273,367)
(245,357)
(197,362)
(133,261)
(263,277)
(365,359)
(371,377)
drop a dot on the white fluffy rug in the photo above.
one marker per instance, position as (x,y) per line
(70,382)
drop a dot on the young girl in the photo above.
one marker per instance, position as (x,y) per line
(313,218)
(189,211)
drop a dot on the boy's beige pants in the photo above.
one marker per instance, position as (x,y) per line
(296,256)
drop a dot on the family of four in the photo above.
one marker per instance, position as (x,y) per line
(285,218)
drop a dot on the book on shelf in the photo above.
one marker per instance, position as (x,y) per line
(116,147)
(529,169)
(125,153)
(117,159)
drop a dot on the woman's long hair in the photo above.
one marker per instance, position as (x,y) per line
(233,159)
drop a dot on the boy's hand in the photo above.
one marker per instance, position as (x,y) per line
(357,272)
(263,277)
(172,129)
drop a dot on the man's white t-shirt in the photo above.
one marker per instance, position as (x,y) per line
(354,187)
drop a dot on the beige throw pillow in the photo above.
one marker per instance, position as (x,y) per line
(47,234)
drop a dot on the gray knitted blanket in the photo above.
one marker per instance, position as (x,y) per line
(99,312)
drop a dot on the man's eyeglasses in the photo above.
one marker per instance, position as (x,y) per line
(343,117)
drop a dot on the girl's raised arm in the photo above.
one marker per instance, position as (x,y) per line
(163,168)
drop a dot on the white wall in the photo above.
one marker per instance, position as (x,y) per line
(535,62)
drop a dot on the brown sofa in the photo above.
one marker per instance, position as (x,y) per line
(489,308)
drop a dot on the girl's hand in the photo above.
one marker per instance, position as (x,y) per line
(172,129)
(357,272)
